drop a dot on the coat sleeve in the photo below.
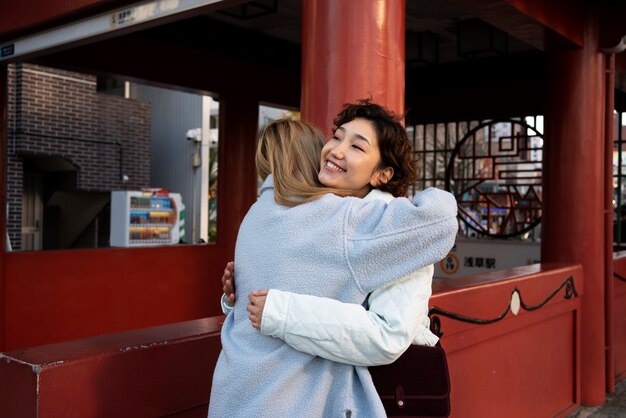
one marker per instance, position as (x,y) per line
(385,241)
(348,333)
(226,306)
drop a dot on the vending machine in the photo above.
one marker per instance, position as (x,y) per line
(146,217)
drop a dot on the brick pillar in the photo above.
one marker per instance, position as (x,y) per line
(573,217)
(351,50)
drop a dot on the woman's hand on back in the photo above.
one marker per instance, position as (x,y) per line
(255,307)
(228,282)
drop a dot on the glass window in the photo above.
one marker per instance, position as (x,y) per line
(75,140)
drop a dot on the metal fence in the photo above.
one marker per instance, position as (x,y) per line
(493,167)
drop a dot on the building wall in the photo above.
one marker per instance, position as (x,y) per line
(59,113)
(173,114)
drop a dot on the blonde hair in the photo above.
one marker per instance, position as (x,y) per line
(290,151)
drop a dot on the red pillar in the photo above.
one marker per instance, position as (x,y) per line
(609,281)
(351,50)
(237,183)
(573,228)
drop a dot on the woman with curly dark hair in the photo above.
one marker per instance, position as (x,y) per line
(394,149)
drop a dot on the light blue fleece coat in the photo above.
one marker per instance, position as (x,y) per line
(340,248)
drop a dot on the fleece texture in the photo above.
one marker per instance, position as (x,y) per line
(340,248)
(396,316)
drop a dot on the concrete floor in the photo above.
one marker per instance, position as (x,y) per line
(614,407)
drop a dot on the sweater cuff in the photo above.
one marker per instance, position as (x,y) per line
(274,319)
(425,337)
(226,306)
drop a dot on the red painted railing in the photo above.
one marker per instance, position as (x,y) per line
(507,365)
(54,296)
(152,372)
(501,364)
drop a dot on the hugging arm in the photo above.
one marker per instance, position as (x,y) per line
(347,332)
(228,286)
(380,245)
(383,242)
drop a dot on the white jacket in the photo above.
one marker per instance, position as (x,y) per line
(349,333)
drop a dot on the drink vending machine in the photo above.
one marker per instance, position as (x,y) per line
(146,217)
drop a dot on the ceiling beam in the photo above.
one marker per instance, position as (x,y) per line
(494,87)
(141,58)
(528,20)
(612,26)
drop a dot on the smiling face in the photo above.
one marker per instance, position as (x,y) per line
(351,159)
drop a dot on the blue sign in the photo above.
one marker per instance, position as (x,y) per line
(7,50)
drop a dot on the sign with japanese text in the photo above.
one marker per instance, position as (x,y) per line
(485,255)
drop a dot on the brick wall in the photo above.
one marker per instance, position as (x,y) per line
(59,113)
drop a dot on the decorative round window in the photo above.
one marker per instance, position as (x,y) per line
(495,172)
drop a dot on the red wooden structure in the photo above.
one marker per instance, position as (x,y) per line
(577,342)
(166,370)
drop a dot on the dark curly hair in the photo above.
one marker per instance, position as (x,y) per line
(395,149)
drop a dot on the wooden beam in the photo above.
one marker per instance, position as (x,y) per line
(188,55)
(528,20)
(510,85)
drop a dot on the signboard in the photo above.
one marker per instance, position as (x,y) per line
(7,50)
(485,255)
(102,24)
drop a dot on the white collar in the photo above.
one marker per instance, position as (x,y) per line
(377,194)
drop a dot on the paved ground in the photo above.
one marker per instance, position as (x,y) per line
(614,407)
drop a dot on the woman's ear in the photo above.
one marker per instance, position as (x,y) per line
(382,177)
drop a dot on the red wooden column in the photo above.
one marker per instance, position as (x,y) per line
(573,228)
(3,201)
(237,182)
(351,50)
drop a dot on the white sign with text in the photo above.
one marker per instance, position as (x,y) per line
(485,255)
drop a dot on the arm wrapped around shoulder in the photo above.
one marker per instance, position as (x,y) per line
(442,204)
(386,242)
